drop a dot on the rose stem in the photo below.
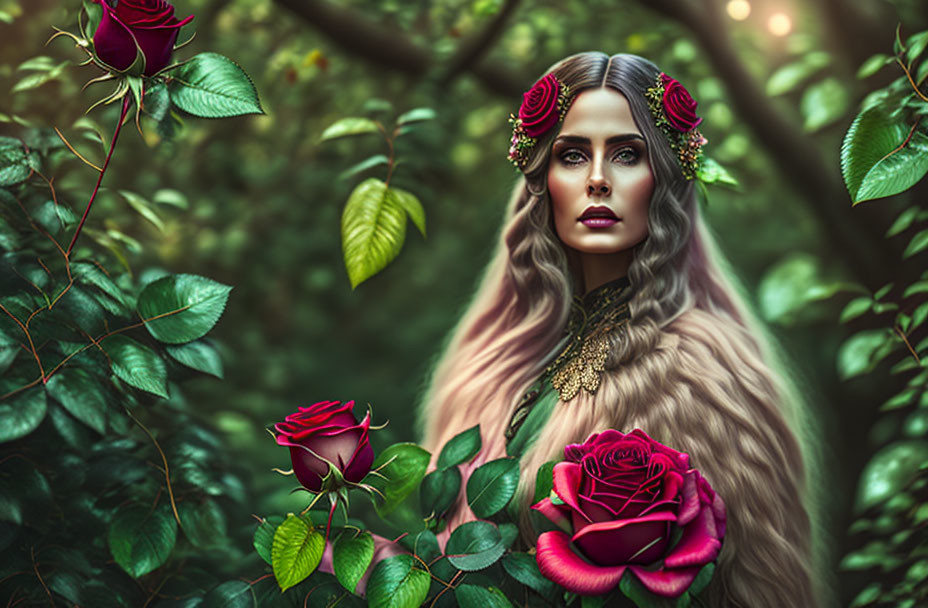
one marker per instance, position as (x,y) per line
(122,117)
(328,524)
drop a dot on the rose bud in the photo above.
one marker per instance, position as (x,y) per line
(148,25)
(323,434)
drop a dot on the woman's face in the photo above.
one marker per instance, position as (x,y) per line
(599,165)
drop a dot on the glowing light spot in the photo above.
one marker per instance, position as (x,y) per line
(780,24)
(738,9)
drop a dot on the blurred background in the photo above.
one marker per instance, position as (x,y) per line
(777,83)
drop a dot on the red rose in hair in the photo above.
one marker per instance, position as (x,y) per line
(619,500)
(323,433)
(539,110)
(679,106)
(149,25)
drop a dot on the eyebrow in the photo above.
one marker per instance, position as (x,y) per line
(576,139)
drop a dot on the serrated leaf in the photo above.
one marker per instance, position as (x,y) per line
(199,355)
(264,536)
(183,307)
(474,546)
(141,539)
(22,414)
(295,552)
(407,465)
(397,583)
(373,229)
(492,485)
(143,208)
(349,126)
(230,594)
(81,395)
(918,244)
(882,155)
(211,85)
(472,596)
(823,103)
(416,115)
(204,523)
(351,558)
(460,449)
(16,162)
(137,365)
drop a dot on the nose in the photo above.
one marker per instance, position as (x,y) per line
(597,184)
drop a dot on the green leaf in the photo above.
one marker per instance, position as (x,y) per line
(141,539)
(439,490)
(863,351)
(137,365)
(823,103)
(143,208)
(416,115)
(791,285)
(373,230)
(173,198)
(16,162)
(544,481)
(524,568)
(902,222)
(349,126)
(889,471)
(882,155)
(230,594)
(474,546)
(916,45)
(210,85)
(882,291)
(919,316)
(37,79)
(632,588)
(22,414)
(711,172)
(873,65)
(460,449)
(94,15)
(397,583)
(791,75)
(855,308)
(296,551)
(407,465)
(187,307)
(702,579)
(204,523)
(472,596)
(264,536)
(90,274)
(492,485)
(411,205)
(423,544)
(900,400)
(199,355)
(918,244)
(82,395)
(364,165)
(351,558)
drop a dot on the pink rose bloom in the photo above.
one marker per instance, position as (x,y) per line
(539,106)
(623,496)
(679,105)
(149,25)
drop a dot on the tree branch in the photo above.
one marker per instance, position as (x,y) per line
(471,51)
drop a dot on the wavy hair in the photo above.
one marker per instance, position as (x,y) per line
(693,367)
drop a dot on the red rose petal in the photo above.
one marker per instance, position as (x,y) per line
(559,515)
(699,544)
(666,583)
(567,484)
(558,563)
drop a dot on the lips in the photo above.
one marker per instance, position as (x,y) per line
(597,211)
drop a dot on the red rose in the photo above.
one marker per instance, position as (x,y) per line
(621,496)
(149,24)
(539,110)
(679,106)
(323,433)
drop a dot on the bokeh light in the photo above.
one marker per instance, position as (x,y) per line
(739,10)
(780,24)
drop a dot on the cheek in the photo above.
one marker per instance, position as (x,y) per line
(559,193)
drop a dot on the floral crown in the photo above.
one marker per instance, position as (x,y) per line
(672,108)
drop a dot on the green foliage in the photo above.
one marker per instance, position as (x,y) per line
(439,490)
(404,466)
(210,85)
(472,596)
(181,308)
(351,556)
(460,449)
(475,545)
(396,582)
(141,538)
(295,552)
(492,485)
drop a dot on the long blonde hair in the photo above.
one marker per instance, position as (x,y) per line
(693,368)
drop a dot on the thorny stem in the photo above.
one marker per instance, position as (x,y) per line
(328,524)
(122,117)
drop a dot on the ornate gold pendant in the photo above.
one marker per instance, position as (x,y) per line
(583,369)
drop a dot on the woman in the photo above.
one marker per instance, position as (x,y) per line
(606,305)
